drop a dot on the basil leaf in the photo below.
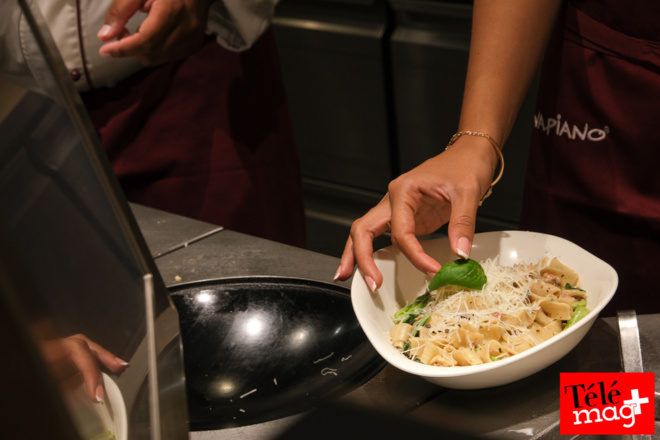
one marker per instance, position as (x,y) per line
(569,286)
(463,272)
(408,313)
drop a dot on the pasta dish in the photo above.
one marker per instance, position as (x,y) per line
(518,307)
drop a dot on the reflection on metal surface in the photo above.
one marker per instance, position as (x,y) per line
(374,31)
(188,242)
(83,259)
(259,349)
(631,350)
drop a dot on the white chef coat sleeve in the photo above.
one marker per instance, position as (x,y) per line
(237,24)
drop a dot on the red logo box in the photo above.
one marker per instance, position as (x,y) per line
(607,403)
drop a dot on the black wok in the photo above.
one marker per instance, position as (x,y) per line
(259,349)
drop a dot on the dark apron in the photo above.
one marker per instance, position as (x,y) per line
(209,138)
(593,171)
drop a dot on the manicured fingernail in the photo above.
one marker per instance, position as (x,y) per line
(104,31)
(463,247)
(122,362)
(430,274)
(371,283)
(99,394)
(336,275)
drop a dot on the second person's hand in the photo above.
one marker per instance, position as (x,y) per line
(173,29)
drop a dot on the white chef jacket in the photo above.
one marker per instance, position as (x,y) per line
(74,25)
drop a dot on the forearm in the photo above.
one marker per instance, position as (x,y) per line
(509,38)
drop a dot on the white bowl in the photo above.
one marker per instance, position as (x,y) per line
(402,283)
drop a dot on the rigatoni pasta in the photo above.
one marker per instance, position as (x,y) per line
(518,307)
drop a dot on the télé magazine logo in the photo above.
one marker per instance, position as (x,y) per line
(607,403)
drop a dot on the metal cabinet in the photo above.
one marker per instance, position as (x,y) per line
(333,60)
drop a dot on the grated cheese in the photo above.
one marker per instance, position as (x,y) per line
(505,293)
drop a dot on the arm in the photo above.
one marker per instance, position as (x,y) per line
(508,41)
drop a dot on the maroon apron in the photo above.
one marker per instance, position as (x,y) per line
(210,138)
(592,175)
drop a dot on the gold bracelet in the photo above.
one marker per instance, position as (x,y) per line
(497,148)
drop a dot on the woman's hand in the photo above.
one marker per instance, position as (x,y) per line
(445,188)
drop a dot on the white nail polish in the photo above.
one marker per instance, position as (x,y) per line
(371,283)
(104,31)
(99,394)
(463,247)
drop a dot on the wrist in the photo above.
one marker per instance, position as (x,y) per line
(495,151)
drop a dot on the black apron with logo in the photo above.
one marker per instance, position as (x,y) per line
(592,175)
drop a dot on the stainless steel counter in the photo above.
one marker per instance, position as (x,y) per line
(528,409)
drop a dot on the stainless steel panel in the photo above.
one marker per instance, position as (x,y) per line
(332,58)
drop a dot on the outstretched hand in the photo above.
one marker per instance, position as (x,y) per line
(173,29)
(445,189)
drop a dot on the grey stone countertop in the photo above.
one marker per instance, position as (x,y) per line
(188,250)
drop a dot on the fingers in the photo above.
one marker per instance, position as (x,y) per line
(105,357)
(120,43)
(86,355)
(418,207)
(362,241)
(359,247)
(119,12)
(172,30)
(404,234)
(84,361)
(347,262)
(462,225)
(410,246)
(128,46)
(144,44)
